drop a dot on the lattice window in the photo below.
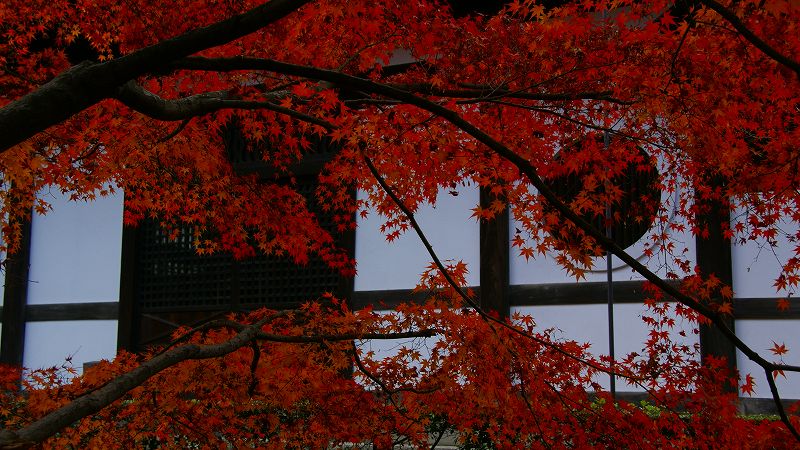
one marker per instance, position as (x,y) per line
(170,276)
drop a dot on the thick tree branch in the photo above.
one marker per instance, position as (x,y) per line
(760,44)
(134,96)
(524,166)
(476,93)
(97,399)
(139,99)
(88,83)
(531,174)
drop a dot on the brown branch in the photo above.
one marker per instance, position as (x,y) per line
(319,338)
(737,23)
(221,323)
(93,402)
(476,93)
(97,399)
(141,100)
(536,181)
(488,93)
(779,404)
(175,132)
(87,83)
(675,55)
(467,299)
(390,392)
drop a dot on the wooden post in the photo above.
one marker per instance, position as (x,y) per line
(127,330)
(15,298)
(714,257)
(494,243)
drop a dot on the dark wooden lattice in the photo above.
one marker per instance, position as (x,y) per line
(171,276)
(170,285)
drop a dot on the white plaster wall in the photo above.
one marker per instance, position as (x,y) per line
(589,323)
(761,335)
(399,264)
(49,344)
(76,250)
(756,265)
(755,268)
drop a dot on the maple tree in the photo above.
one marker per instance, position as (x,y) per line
(101,95)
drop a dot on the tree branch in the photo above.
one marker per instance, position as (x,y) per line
(97,399)
(141,100)
(477,93)
(779,404)
(531,174)
(87,83)
(522,164)
(737,23)
(466,298)
(175,132)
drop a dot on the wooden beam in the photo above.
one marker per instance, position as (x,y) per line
(765,309)
(583,293)
(72,311)
(714,257)
(494,264)
(555,294)
(127,330)
(387,299)
(15,298)
(347,240)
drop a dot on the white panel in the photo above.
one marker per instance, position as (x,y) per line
(49,344)
(761,335)
(399,264)
(543,268)
(757,265)
(589,324)
(76,250)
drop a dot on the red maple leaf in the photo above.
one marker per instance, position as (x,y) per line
(749,385)
(778,349)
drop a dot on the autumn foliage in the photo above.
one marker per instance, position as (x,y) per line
(101,95)
(530,393)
